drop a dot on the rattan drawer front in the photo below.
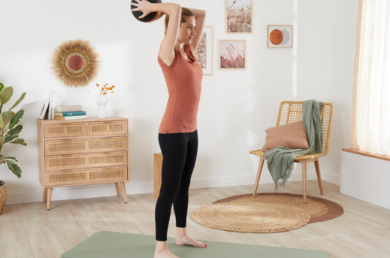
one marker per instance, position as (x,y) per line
(67,146)
(107,128)
(85,176)
(72,161)
(65,130)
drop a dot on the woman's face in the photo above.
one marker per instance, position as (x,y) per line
(187,31)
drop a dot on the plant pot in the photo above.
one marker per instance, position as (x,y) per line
(3,195)
(102,103)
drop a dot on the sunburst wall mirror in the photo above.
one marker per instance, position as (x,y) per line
(75,63)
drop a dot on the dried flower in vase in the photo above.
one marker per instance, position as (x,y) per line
(105,89)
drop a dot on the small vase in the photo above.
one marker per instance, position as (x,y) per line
(102,103)
(3,195)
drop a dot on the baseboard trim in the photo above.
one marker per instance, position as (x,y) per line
(93,191)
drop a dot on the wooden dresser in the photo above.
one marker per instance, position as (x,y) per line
(83,152)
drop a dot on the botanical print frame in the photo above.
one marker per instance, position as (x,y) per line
(280,36)
(239,16)
(232,54)
(204,53)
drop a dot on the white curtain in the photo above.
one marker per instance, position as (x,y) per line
(371,94)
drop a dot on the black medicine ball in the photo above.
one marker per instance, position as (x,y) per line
(151,16)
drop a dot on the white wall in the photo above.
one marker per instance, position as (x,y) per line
(235,108)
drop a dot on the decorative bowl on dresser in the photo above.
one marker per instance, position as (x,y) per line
(83,152)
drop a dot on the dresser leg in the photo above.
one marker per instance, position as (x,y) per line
(117,189)
(44,194)
(124,191)
(48,198)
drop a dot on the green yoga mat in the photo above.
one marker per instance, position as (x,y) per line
(106,244)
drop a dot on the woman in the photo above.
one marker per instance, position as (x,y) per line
(178,135)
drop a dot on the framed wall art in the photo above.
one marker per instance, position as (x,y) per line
(232,54)
(204,54)
(75,63)
(280,36)
(239,16)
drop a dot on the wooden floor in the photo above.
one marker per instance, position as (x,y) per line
(29,230)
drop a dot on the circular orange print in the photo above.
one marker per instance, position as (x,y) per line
(276,37)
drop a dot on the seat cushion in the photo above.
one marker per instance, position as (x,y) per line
(291,135)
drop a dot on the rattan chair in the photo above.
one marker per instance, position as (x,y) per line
(291,112)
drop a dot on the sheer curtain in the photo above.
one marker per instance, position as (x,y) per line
(371,91)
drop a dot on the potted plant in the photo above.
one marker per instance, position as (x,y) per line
(10,128)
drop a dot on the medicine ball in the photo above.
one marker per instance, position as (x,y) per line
(151,16)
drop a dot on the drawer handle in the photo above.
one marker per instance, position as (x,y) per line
(108,122)
(66,140)
(66,155)
(67,170)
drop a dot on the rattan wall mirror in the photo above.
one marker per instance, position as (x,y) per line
(75,63)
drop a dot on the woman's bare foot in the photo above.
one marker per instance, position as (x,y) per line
(186,240)
(164,254)
(162,250)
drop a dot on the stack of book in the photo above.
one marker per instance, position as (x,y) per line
(69,112)
(65,112)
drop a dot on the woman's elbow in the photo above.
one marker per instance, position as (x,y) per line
(178,7)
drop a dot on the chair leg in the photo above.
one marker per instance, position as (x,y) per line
(304,176)
(261,163)
(317,165)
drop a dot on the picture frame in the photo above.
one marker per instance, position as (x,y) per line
(204,54)
(232,54)
(239,16)
(280,36)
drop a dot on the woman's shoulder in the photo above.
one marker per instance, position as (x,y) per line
(159,59)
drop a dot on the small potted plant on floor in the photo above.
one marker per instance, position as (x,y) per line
(10,128)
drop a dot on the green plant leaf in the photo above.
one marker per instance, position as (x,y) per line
(7,115)
(18,101)
(12,134)
(1,121)
(19,141)
(6,94)
(13,165)
(1,86)
(15,120)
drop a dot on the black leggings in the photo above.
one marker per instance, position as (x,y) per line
(179,151)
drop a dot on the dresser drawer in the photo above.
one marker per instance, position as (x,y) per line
(107,128)
(69,146)
(65,130)
(87,176)
(74,161)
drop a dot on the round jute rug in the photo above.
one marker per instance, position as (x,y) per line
(334,210)
(251,218)
(266,213)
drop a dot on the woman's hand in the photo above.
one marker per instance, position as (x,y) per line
(143,6)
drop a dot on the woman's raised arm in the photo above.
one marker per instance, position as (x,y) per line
(200,17)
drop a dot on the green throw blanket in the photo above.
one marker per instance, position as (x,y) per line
(280,160)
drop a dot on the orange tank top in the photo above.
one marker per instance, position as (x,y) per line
(184,81)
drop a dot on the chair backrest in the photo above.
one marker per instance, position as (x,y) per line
(291,112)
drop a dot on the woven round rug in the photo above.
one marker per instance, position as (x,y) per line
(317,212)
(266,213)
(251,218)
